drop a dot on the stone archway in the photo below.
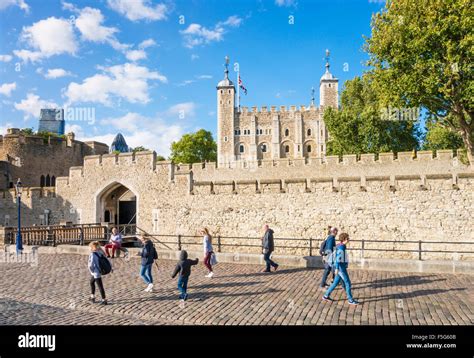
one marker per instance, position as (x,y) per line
(117,203)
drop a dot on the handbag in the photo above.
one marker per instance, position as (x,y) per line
(213,259)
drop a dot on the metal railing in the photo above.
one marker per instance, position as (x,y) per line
(306,246)
(84,233)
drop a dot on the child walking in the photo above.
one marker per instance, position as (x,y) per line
(208,251)
(340,265)
(95,270)
(183,267)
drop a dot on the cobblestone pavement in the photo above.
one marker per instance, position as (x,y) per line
(57,289)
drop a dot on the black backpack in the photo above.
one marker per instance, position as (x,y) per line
(105,267)
(322,247)
(155,253)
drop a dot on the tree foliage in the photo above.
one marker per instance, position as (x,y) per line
(360,126)
(421,53)
(194,148)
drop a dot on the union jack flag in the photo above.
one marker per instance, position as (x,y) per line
(241,85)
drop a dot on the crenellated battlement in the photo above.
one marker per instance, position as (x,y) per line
(276,110)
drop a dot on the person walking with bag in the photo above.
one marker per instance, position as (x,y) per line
(208,251)
(340,265)
(148,255)
(268,247)
(326,251)
(98,265)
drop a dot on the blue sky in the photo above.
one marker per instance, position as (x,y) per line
(148,68)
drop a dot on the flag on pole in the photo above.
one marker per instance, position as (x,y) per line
(241,85)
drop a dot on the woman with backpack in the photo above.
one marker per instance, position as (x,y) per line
(148,255)
(208,252)
(97,269)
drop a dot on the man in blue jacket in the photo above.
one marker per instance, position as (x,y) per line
(341,263)
(267,247)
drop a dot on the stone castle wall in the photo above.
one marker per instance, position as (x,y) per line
(29,157)
(424,198)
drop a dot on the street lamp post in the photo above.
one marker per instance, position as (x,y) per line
(19,243)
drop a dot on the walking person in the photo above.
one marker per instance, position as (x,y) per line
(341,263)
(148,255)
(326,250)
(208,251)
(183,267)
(95,257)
(268,247)
(115,242)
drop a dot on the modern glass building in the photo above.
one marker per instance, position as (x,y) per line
(52,120)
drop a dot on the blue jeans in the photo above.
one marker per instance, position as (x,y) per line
(327,271)
(342,275)
(269,261)
(145,273)
(183,286)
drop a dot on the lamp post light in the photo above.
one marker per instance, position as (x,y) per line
(19,243)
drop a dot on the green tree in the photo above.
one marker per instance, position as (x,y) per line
(27,131)
(361,127)
(140,149)
(194,148)
(439,136)
(422,52)
(160,158)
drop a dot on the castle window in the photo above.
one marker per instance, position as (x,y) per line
(6,220)
(308,132)
(225,139)
(329,85)
(322,149)
(308,149)
(222,91)
(42,181)
(287,148)
(287,132)
(48,181)
(264,148)
(241,148)
(53,181)
(299,148)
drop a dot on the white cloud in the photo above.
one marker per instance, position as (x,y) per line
(6,58)
(7,88)
(130,122)
(20,3)
(3,129)
(146,43)
(54,73)
(204,77)
(47,38)
(185,83)
(182,110)
(135,10)
(89,23)
(194,57)
(196,34)
(32,104)
(128,81)
(135,55)
(285,3)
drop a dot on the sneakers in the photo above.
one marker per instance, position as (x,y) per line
(275,267)
(210,274)
(92,299)
(353,302)
(327,298)
(324,286)
(149,288)
(103,302)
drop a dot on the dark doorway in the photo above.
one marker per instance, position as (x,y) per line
(127,210)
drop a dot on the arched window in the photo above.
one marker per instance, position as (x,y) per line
(264,148)
(287,132)
(53,181)
(308,149)
(48,181)
(308,132)
(287,148)
(42,181)
(241,148)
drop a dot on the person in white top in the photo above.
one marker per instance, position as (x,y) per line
(208,252)
(115,242)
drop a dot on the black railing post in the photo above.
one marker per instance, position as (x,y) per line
(218,243)
(363,248)
(310,246)
(179,242)
(419,250)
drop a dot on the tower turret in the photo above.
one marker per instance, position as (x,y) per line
(328,88)
(225,119)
